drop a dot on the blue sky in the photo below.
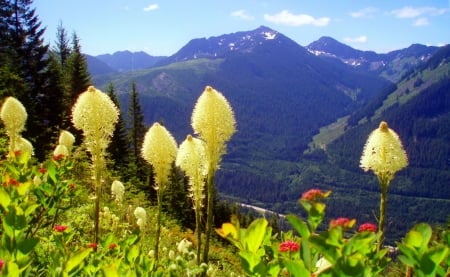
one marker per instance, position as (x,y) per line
(162,27)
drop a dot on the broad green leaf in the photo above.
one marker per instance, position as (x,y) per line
(250,260)
(297,268)
(299,225)
(132,253)
(77,259)
(110,271)
(27,245)
(255,234)
(4,199)
(23,188)
(12,269)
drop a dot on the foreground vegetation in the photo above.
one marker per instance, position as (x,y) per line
(69,216)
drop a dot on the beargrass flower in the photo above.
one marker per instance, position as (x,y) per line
(67,139)
(117,190)
(160,150)
(24,147)
(383,153)
(14,117)
(191,158)
(96,115)
(367,227)
(183,246)
(213,121)
(289,246)
(141,216)
(60,150)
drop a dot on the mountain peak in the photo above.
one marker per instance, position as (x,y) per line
(220,46)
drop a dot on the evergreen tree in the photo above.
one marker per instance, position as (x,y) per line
(137,133)
(23,56)
(119,148)
(78,79)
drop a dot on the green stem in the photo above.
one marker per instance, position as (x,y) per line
(198,208)
(98,192)
(209,208)
(384,186)
(158,223)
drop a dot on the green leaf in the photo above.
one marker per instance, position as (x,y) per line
(299,225)
(110,271)
(255,234)
(297,268)
(4,199)
(132,253)
(77,259)
(27,245)
(249,261)
(23,188)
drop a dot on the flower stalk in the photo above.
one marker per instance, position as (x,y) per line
(384,155)
(96,115)
(213,121)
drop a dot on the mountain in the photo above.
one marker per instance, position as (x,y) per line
(392,65)
(221,46)
(97,67)
(122,61)
(283,95)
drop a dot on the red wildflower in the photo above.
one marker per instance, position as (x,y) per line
(16,153)
(112,246)
(14,182)
(367,227)
(92,245)
(42,170)
(289,245)
(2,263)
(58,157)
(313,194)
(342,222)
(71,186)
(60,228)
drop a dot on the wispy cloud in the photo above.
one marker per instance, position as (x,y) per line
(360,39)
(151,7)
(285,17)
(422,21)
(412,12)
(366,12)
(242,14)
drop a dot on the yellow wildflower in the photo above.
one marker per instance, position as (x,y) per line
(384,153)
(213,120)
(96,115)
(160,150)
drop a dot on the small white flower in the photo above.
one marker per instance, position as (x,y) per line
(117,190)
(141,216)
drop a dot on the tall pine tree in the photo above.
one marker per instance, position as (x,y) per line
(119,148)
(23,55)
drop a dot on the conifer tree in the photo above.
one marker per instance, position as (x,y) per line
(23,55)
(119,148)
(137,132)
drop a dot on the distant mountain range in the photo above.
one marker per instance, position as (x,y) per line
(303,114)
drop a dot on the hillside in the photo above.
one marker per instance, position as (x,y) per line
(282,95)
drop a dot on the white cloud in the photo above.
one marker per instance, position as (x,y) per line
(287,18)
(151,7)
(242,14)
(422,21)
(366,12)
(412,12)
(360,39)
